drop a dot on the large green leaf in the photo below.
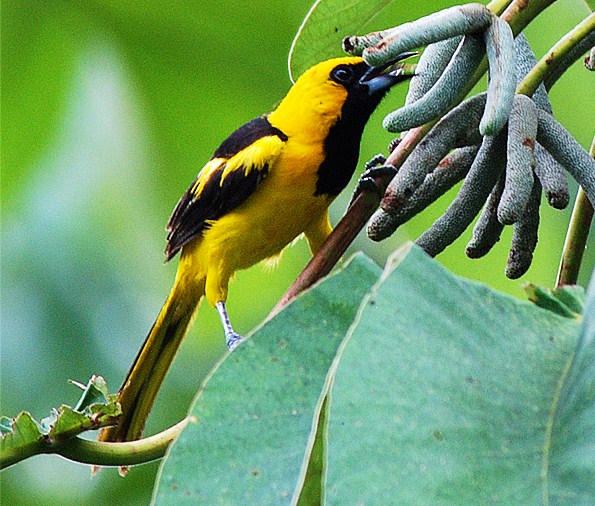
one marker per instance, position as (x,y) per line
(569,461)
(449,393)
(258,412)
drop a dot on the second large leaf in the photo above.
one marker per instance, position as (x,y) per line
(447,392)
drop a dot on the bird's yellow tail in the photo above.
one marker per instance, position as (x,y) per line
(150,366)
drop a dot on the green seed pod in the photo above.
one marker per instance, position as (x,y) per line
(382,225)
(552,177)
(449,172)
(567,152)
(524,237)
(488,228)
(551,174)
(525,60)
(380,47)
(444,92)
(522,132)
(499,42)
(458,128)
(355,44)
(482,177)
(430,67)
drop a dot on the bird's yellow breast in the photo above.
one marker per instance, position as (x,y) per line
(279,210)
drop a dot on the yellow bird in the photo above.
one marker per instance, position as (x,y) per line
(270,181)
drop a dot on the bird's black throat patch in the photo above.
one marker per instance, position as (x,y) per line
(342,144)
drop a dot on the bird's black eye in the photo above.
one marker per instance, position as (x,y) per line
(342,74)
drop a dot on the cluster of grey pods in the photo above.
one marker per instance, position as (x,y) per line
(507,148)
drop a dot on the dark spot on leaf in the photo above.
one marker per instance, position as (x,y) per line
(469,379)
(552,338)
(282,343)
(336,29)
(255,472)
(438,436)
(372,302)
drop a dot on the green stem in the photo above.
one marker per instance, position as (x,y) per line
(576,237)
(549,61)
(118,454)
(104,454)
(14,455)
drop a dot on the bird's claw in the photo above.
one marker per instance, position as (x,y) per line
(376,160)
(376,167)
(233,340)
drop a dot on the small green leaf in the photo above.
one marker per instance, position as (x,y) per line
(324,27)
(23,430)
(258,412)
(567,301)
(25,437)
(95,391)
(24,440)
(68,424)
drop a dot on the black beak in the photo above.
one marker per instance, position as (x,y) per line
(380,79)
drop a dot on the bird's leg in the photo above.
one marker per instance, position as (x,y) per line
(376,167)
(232,338)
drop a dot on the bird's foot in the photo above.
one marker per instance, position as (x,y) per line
(376,167)
(233,340)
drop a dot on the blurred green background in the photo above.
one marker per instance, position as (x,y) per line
(109,110)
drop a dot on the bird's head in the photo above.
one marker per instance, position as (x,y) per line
(341,88)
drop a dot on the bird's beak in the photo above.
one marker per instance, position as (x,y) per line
(380,79)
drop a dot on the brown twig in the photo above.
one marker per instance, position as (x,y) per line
(350,225)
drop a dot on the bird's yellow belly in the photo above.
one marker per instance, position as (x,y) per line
(269,220)
(281,209)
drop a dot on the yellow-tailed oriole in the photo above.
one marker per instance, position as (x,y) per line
(268,182)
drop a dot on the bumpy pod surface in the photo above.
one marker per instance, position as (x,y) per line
(524,237)
(430,67)
(520,161)
(482,177)
(380,47)
(499,42)
(449,172)
(446,90)
(458,128)
(488,228)
(567,152)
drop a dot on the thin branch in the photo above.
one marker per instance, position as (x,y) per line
(576,237)
(551,59)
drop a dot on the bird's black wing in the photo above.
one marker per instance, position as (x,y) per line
(234,172)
